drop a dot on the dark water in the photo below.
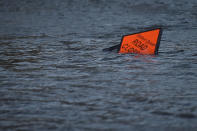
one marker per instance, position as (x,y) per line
(55,76)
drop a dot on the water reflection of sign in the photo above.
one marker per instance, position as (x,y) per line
(141,43)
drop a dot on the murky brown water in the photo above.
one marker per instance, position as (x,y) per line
(55,76)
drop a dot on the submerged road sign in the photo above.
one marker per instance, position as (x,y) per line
(145,43)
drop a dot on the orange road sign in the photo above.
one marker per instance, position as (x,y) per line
(145,43)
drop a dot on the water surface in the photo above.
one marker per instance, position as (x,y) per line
(55,76)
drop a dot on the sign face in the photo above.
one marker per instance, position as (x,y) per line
(146,43)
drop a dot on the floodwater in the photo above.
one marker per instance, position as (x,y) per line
(55,76)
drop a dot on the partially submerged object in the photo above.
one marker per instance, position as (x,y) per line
(145,43)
